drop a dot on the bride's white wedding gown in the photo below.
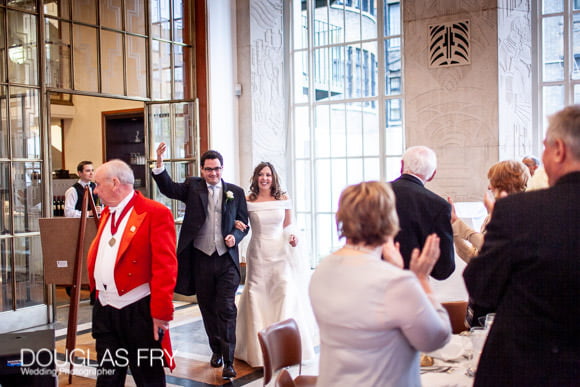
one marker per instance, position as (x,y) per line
(276,284)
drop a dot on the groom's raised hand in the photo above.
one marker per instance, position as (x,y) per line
(160,150)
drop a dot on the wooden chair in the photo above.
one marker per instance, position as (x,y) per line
(284,379)
(282,347)
(456,311)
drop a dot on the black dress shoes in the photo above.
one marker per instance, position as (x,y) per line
(228,372)
(216,360)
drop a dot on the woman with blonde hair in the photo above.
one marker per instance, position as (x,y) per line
(505,178)
(374,317)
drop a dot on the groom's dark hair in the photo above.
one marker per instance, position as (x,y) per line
(211,154)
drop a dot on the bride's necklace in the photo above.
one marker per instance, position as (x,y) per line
(375,252)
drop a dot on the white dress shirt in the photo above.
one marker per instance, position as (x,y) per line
(70,200)
(105,263)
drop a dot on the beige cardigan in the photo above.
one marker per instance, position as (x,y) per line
(467,241)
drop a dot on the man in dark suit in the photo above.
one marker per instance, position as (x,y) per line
(528,271)
(422,212)
(207,252)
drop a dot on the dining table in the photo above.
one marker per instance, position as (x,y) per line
(451,364)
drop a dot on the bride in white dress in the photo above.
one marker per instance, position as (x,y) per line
(277,274)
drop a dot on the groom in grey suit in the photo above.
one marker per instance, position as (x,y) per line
(207,252)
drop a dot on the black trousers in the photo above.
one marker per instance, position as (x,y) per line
(124,337)
(217,278)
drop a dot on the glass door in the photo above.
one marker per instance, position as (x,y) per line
(139,50)
(176,124)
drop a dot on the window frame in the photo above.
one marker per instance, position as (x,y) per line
(568,61)
(372,96)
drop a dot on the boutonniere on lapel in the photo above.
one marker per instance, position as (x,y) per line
(229,196)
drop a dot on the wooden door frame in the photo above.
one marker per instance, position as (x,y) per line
(201,64)
(126,113)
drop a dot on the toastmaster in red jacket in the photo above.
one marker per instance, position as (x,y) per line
(133,267)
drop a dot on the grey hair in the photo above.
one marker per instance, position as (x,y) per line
(533,158)
(119,169)
(420,161)
(565,125)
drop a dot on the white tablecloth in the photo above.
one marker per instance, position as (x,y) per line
(453,356)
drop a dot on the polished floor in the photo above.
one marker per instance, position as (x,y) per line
(190,343)
(190,346)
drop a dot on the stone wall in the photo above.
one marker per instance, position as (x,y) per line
(472,115)
(475,114)
(262,104)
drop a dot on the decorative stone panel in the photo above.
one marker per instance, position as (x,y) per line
(449,44)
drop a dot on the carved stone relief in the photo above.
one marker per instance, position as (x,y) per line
(454,109)
(267,80)
(449,44)
(515,80)
(472,115)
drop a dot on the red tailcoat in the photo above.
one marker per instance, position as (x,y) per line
(146,255)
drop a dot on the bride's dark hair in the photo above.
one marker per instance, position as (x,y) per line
(275,189)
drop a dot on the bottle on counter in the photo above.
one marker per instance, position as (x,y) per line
(54,206)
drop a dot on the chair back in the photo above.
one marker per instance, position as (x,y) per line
(281,347)
(284,379)
(456,311)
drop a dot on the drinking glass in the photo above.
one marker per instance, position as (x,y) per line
(489,320)
(477,336)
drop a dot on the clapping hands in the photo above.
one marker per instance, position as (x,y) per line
(453,212)
(422,263)
(391,253)
(489,200)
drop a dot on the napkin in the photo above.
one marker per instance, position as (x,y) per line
(453,350)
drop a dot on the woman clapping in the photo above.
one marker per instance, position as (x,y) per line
(374,317)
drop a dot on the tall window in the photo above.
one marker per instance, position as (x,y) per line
(21,158)
(110,48)
(346,105)
(559,70)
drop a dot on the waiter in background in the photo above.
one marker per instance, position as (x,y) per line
(73,197)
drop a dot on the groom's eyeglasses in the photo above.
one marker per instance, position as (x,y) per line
(216,169)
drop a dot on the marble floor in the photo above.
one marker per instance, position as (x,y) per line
(189,343)
(190,346)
